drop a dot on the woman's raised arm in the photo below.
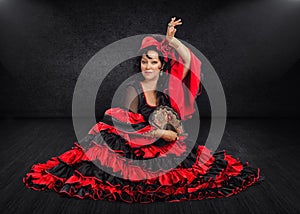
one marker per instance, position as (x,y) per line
(182,50)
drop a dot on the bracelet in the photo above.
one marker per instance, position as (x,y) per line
(153,133)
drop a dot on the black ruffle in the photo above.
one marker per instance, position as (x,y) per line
(118,145)
(145,193)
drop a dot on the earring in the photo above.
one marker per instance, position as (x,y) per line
(160,73)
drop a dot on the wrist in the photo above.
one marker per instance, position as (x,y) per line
(159,133)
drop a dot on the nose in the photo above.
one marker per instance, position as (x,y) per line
(148,65)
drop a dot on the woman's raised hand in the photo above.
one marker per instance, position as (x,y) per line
(171,30)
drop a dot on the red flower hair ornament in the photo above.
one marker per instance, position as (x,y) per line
(162,46)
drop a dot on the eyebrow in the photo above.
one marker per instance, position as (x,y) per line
(148,58)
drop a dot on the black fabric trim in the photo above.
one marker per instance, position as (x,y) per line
(86,168)
(118,145)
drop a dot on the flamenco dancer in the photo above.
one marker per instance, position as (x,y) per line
(139,152)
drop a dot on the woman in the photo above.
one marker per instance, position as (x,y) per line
(140,152)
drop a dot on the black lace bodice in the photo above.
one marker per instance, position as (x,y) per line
(142,106)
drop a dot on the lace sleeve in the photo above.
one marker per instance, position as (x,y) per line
(131,99)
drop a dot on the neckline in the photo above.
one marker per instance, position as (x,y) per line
(145,96)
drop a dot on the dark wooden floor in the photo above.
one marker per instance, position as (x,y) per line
(271,144)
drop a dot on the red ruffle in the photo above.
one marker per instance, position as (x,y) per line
(189,183)
(134,140)
(102,126)
(110,159)
(167,181)
(125,116)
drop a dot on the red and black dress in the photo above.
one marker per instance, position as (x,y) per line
(112,144)
(103,166)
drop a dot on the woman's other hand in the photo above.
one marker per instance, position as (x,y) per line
(169,136)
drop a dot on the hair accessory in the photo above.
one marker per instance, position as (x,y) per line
(162,46)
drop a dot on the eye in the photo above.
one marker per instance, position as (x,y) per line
(143,62)
(155,62)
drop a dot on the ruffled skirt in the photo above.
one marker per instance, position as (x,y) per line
(102,167)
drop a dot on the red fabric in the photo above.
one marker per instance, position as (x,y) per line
(162,46)
(107,158)
(99,190)
(160,183)
(183,92)
(150,151)
(125,116)
(122,116)
(182,98)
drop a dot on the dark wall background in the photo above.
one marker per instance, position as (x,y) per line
(254,47)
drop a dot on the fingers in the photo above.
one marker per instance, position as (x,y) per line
(175,136)
(170,136)
(175,22)
(178,22)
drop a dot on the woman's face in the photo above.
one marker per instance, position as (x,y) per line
(150,67)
